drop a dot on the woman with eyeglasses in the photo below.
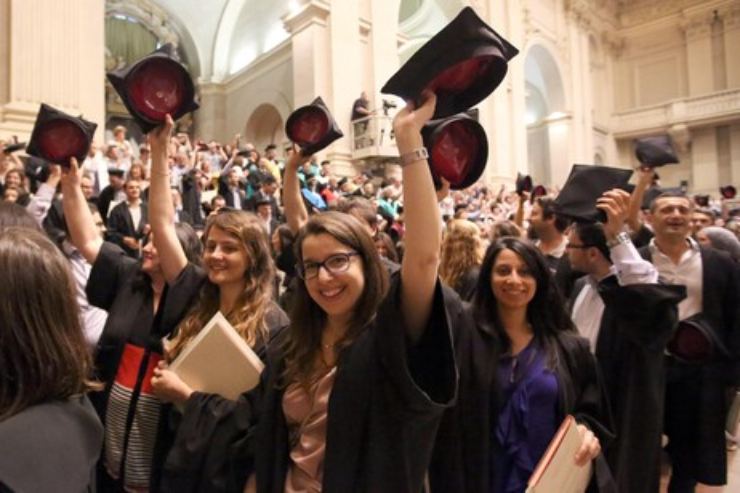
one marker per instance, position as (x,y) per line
(236,280)
(523,369)
(355,387)
(131,292)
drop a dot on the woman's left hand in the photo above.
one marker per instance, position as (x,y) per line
(590,446)
(168,387)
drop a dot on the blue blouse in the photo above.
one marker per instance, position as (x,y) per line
(528,418)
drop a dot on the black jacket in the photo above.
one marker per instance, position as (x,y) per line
(120,224)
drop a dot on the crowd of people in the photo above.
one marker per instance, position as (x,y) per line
(414,338)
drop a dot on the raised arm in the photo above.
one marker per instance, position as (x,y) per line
(421,217)
(83,233)
(644,179)
(161,211)
(295,210)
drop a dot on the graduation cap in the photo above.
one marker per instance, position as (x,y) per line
(523,183)
(694,341)
(539,191)
(462,64)
(701,200)
(14,147)
(116,172)
(585,184)
(155,86)
(57,136)
(655,151)
(312,127)
(458,150)
(728,192)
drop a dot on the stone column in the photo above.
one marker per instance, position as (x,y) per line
(56,56)
(699,55)
(211,117)
(704,170)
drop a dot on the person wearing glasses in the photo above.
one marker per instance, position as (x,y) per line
(355,387)
(627,318)
(237,279)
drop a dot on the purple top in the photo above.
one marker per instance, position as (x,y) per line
(528,418)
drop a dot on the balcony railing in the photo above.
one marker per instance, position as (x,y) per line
(373,138)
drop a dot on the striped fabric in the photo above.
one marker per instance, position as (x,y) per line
(143,433)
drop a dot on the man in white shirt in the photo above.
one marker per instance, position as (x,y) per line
(128,221)
(696,405)
(627,317)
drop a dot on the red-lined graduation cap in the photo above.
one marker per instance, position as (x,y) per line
(585,184)
(728,192)
(539,191)
(458,150)
(694,341)
(523,183)
(462,64)
(155,86)
(312,127)
(655,151)
(57,136)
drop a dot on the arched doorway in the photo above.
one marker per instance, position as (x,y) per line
(545,111)
(265,126)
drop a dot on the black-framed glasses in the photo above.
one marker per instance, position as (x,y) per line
(578,247)
(334,264)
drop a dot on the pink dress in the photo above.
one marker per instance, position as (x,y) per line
(306,415)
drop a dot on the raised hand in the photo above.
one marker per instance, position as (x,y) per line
(159,138)
(615,203)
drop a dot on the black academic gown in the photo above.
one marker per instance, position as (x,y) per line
(637,323)
(383,412)
(463,455)
(696,405)
(51,446)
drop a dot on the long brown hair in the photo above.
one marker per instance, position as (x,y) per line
(248,314)
(43,355)
(461,250)
(307,319)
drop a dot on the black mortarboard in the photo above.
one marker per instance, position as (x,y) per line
(458,150)
(694,341)
(523,183)
(14,147)
(57,136)
(728,192)
(585,184)
(655,151)
(312,127)
(701,200)
(462,64)
(155,86)
(116,172)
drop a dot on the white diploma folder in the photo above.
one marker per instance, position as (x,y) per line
(219,361)
(557,471)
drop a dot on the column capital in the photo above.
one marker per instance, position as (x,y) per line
(310,13)
(698,26)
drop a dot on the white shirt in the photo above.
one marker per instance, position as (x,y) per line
(93,319)
(689,272)
(135,211)
(630,268)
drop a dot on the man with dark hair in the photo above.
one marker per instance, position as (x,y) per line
(627,317)
(128,221)
(112,193)
(549,229)
(696,407)
(266,193)
(700,219)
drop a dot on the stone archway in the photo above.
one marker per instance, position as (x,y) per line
(547,132)
(265,126)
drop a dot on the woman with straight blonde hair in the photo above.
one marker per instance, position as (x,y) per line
(462,253)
